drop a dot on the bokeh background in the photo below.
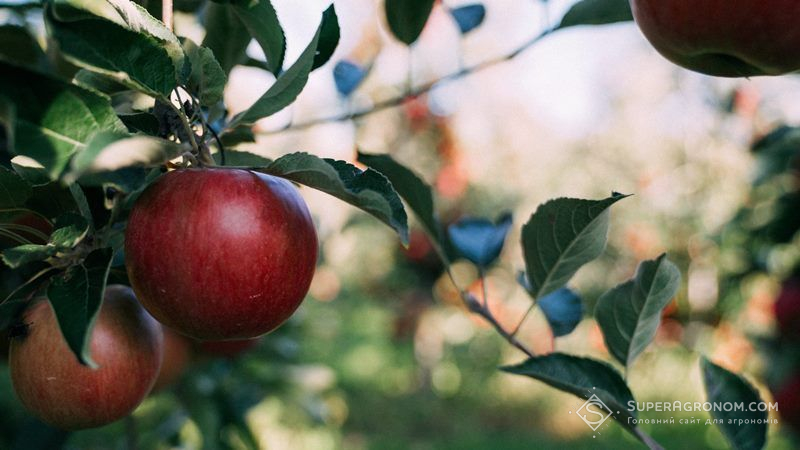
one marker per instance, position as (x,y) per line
(381,355)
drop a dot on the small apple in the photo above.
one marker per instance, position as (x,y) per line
(177,357)
(220,254)
(126,343)
(724,38)
(227,349)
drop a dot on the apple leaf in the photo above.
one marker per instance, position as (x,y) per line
(582,377)
(630,313)
(27,253)
(76,297)
(288,85)
(14,191)
(226,35)
(745,429)
(468,17)
(68,229)
(53,120)
(17,44)
(364,189)
(563,310)
(120,159)
(480,240)
(596,12)
(411,188)
(207,79)
(560,237)
(236,158)
(328,37)
(348,76)
(119,39)
(261,20)
(407,18)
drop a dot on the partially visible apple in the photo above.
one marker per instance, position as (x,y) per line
(126,343)
(27,225)
(227,349)
(724,38)
(220,254)
(177,358)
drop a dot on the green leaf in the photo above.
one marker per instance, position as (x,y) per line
(207,79)
(142,122)
(118,39)
(407,18)
(68,230)
(53,120)
(226,35)
(17,256)
(328,37)
(111,158)
(262,21)
(367,190)
(14,191)
(98,82)
(745,429)
(236,158)
(286,88)
(76,298)
(630,313)
(412,189)
(584,378)
(560,237)
(597,12)
(18,45)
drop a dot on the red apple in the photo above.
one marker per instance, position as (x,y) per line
(126,343)
(220,254)
(787,309)
(27,225)
(227,349)
(722,37)
(177,357)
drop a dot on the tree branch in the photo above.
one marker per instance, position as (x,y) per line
(419,90)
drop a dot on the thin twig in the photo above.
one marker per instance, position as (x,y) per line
(475,306)
(419,90)
(524,317)
(166,13)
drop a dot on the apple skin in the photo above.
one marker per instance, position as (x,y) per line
(227,349)
(177,358)
(126,344)
(220,254)
(724,38)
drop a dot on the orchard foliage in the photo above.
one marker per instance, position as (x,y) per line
(116,99)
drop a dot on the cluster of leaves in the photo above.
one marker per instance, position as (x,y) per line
(768,225)
(558,239)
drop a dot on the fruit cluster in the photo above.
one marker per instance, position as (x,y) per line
(218,256)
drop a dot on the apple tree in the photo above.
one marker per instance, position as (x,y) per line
(120,166)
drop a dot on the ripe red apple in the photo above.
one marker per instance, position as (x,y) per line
(724,38)
(220,254)
(787,309)
(126,343)
(227,349)
(177,357)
